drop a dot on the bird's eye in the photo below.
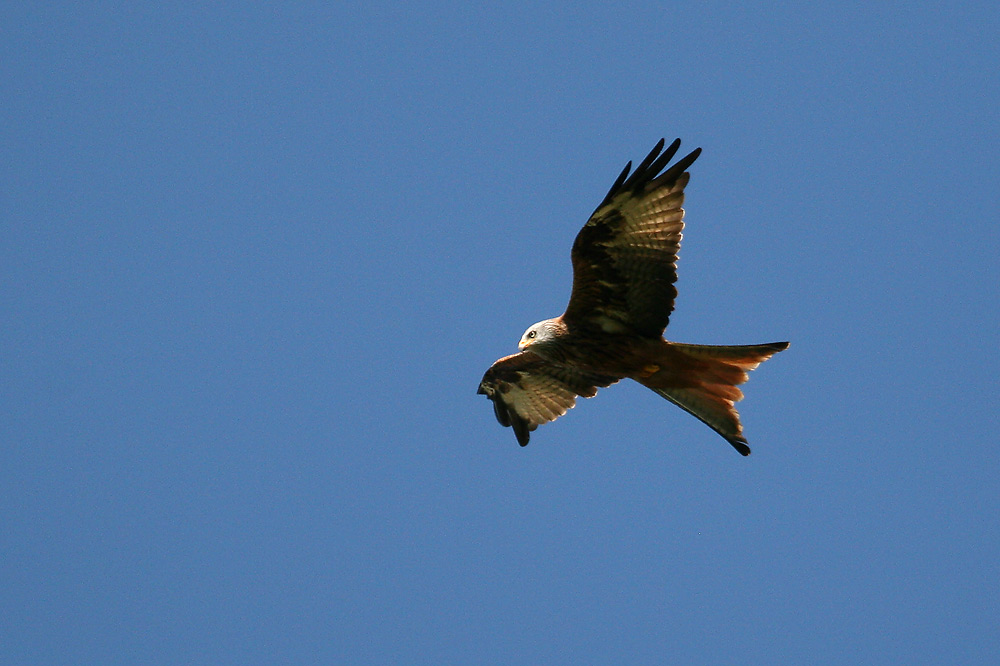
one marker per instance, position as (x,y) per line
(531,334)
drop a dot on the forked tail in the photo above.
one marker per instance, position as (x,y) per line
(702,380)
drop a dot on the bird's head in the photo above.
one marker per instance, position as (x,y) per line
(540,335)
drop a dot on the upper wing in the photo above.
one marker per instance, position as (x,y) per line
(528,391)
(625,257)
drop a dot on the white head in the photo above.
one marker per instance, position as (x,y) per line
(541,334)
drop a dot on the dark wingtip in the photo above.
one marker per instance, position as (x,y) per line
(520,429)
(740,444)
(674,172)
(650,157)
(646,171)
(618,183)
(501,412)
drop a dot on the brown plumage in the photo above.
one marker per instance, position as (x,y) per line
(624,270)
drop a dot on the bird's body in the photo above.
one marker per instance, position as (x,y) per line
(624,269)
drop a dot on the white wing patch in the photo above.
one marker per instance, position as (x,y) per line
(609,325)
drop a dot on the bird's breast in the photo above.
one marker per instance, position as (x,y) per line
(616,355)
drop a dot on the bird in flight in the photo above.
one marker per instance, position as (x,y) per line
(624,270)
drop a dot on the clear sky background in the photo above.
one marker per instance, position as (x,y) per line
(255,260)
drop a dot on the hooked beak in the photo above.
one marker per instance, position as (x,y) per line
(523,344)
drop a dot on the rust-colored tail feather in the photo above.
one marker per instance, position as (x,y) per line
(702,380)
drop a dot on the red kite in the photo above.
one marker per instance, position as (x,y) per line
(624,269)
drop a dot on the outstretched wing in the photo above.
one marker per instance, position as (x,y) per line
(625,257)
(528,391)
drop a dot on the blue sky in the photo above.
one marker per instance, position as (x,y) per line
(256,259)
